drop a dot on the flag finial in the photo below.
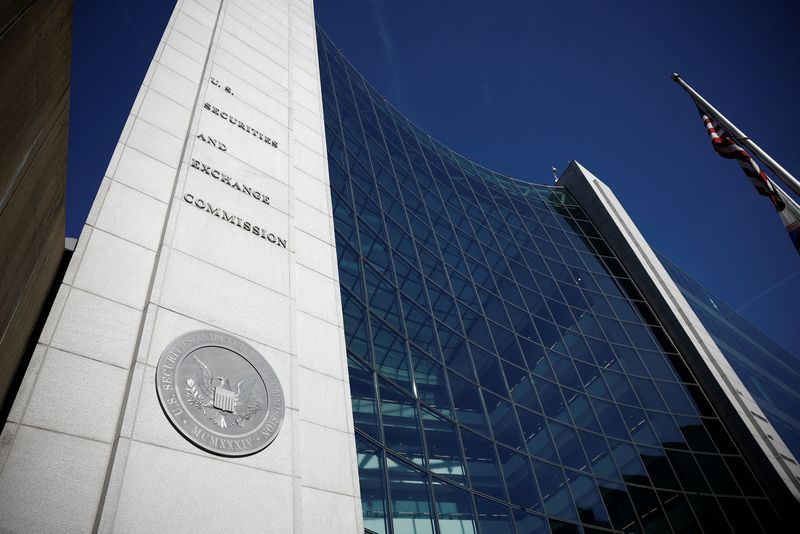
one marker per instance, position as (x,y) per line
(675,76)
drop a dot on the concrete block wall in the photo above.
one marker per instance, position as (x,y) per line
(35,54)
(87,445)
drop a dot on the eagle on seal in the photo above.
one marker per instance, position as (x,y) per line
(215,397)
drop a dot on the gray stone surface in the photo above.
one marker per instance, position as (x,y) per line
(168,491)
(76,395)
(150,266)
(115,268)
(51,482)
(97,328)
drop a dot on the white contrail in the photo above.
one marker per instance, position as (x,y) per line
(770,288)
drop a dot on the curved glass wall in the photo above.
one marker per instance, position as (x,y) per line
(769,372)
(505,373)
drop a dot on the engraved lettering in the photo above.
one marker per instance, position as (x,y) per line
(226,216)
(238,122)
(210,209)
(213,142)
(224,178)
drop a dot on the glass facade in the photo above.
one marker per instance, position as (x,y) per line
(769,372)
(505,373)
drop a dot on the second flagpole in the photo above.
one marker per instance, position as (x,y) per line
(790,181)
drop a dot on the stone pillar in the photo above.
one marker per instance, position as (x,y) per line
(227,129)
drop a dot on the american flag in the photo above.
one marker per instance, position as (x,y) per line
(790,216)
(726,147)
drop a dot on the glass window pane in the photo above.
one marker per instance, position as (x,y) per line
(431,386)
(708,512)
(400,424)
(599,456)
(411,499)
(552,401)
(588,501)
(537,436)
(582,412)
(444,450)
(610,419)
(561,527)
(504,422)
(658,467)
(487,366)
(493,518)
(373,489)
(390,353)
(628,461)
(568,446)
(362,397)
(527,523)
(467,403)
(648,394)
(484,472)
(519,478)
(638,425)
(695,433)
(688,472)
(675,397)
(524,394)
(619,506)
(667,432)
(553,487)
(678,512)
(453,509)
(648,508)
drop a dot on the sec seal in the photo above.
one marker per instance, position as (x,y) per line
(220,393)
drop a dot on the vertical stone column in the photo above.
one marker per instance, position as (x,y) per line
(328,483)
(226,135)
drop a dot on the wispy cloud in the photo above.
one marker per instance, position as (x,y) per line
(382,26)
(767,290)
(133,29)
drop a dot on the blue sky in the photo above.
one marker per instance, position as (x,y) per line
(524,86)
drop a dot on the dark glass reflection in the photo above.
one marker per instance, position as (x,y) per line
(506,374)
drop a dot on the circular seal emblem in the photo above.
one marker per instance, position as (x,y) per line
(220,393)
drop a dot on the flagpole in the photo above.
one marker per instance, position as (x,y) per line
(765,158)
(787,199)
